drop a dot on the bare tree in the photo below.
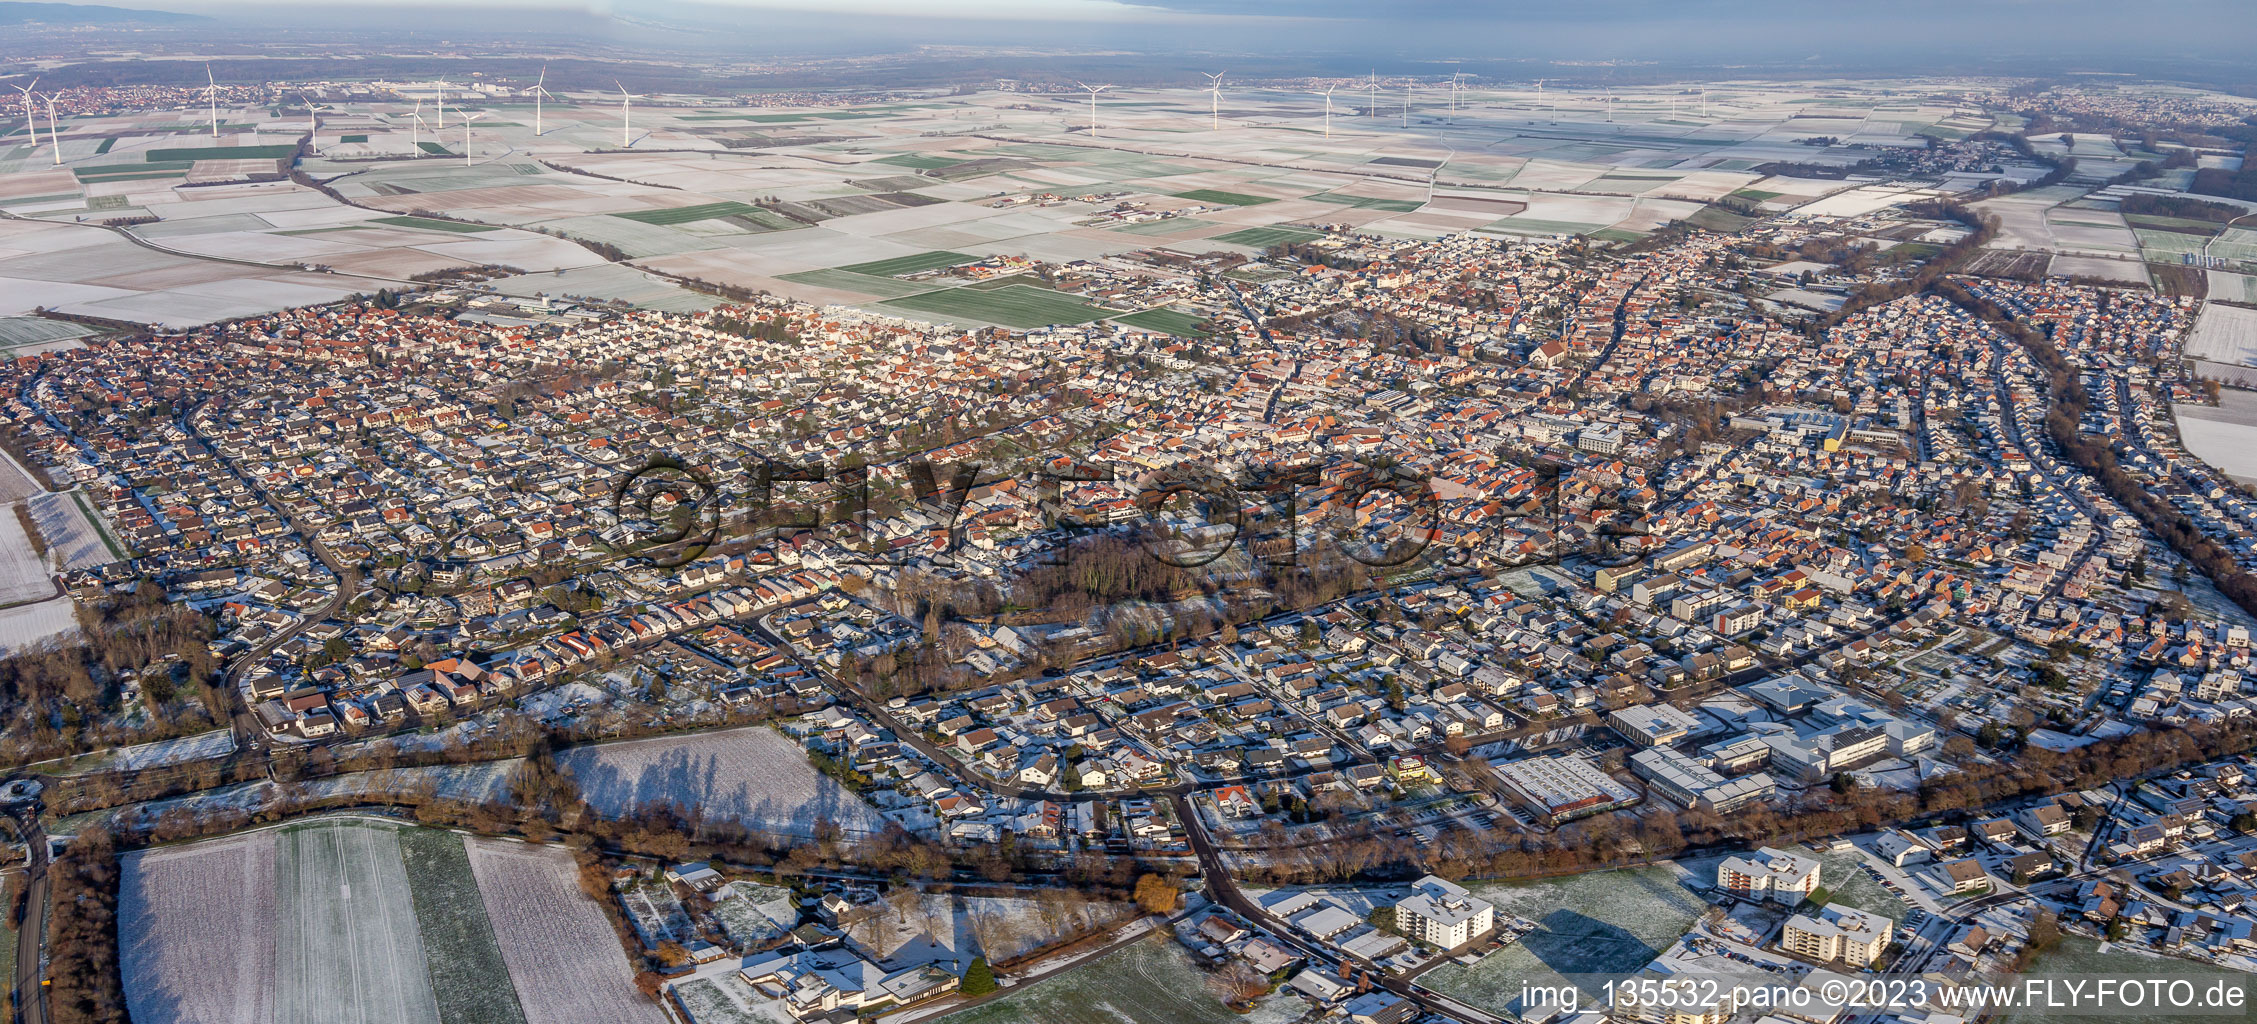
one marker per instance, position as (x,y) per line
(1238,983)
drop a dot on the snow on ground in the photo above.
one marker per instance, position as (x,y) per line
(1596,922)
(729,999)
(561,952)
(753,775)
(1149,982)
(2224,334)
(753,913)
(65,525)
(196,932)
(203,745)
(23,577)
(347,944)
(23,626)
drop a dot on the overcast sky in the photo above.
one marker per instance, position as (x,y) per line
(1677,31)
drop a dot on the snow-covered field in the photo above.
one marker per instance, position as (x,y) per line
(348,950)
(562,956)
(26,625)
(2225,334)
(203,745)
(196,932)
(1599,922)
(753,775)
(23,577)
(1148,982)
(65,526)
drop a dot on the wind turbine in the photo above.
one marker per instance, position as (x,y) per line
(31,119)
(1214,102)
(415,126)
(1093,91)
(1539,92)
(54,137)
(1327,94)
(626,116)
(313,130)
(538,92)
(211,92)
(466,121)
(1406,104)
(440,101)
(1373,109)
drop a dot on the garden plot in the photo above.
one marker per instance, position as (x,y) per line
(1149,982)
(562,955)
(752,775)
(196,932)
(656,913)
(729,999)
(753,914)
(1597,922)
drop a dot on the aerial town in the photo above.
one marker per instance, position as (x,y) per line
(790,541)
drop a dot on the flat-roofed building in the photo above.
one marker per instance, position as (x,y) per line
(1772,874)
(1837,933)
(1443,913)
(1692,784)
(1654,725)
(1563,787)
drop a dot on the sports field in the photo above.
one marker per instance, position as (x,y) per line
(688,214)
(1020,306)
(1212,195)
(1263,238)
(914,264)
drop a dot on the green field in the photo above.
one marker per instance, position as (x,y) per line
(1368,203)
(1717,218)
(922,163)
(1209,195)
(432,148)
(1263,238)
(1757,194)
(465,961)
(429,224)
(159,156)
(2186,224)
(687,214)
(105,146)
(1020,306)
(115,172)
(912,264)
(860,284)
(353,138)
(1180,324)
